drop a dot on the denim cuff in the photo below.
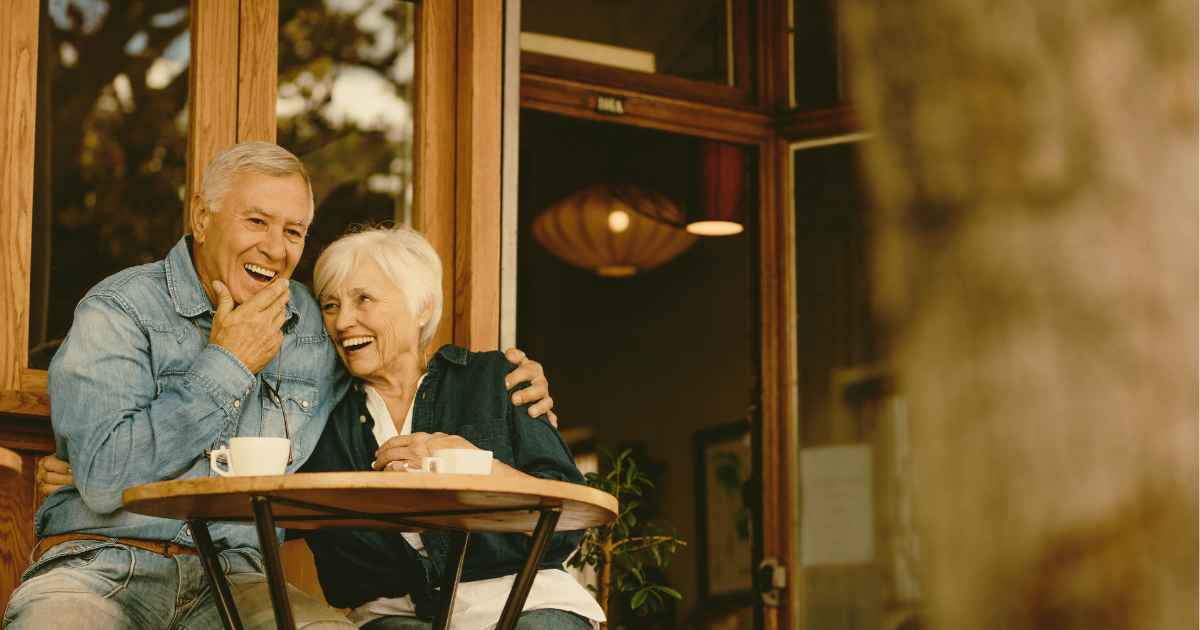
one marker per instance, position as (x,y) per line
(223,376)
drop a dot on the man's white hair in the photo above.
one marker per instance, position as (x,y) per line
(405,257)
(252,156)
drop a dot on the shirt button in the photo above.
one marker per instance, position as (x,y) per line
(237,403)
(304,403)
(362,419)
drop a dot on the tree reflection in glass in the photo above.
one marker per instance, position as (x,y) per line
(345,108)
(110,150)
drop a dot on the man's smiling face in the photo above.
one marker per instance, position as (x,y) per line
(257,237)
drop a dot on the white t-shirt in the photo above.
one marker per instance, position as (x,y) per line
(477,605)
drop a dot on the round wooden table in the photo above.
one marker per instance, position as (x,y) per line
(10,466)
(413,502)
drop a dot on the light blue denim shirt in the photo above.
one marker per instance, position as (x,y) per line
(137,397)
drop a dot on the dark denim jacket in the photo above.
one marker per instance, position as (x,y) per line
(463,394)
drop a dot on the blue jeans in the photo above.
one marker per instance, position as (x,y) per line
(103,585)
(540,619)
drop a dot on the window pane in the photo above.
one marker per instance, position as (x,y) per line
(345,108)
(111,142)
(683,39)
(817,80)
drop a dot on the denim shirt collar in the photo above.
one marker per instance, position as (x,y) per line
(188,296)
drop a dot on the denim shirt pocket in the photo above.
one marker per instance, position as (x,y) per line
(489,436)
(297,397)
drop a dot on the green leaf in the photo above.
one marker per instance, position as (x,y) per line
(632,519)
(669,591)
(639,598)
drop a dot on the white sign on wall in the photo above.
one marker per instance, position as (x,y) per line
(837,521)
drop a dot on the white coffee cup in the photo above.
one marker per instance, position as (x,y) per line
(248,456)
(460,461)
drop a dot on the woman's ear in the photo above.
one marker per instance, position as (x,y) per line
(425,314)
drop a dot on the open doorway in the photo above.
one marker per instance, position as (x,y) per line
(660,360)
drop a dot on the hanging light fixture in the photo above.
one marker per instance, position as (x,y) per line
(723,187)
(595,230)
(715,199)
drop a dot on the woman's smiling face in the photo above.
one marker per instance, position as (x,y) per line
(370,323)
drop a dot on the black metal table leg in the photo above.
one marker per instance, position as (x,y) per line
(264,521)
(524,581)
(450,576)
(216,577)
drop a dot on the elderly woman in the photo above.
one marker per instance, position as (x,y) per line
(380,295)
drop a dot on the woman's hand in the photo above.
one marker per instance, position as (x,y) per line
(53,473)
(406,451)
(538,390)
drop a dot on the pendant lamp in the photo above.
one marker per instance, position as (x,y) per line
(723,191)
(594,230)
(715,199)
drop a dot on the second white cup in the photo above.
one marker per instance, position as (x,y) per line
(461,461)
(247,456)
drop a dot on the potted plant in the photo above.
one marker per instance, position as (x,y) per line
(620,550)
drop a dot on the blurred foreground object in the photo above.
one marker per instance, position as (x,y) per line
(1034,176)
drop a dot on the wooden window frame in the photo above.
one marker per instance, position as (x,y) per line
(232,88)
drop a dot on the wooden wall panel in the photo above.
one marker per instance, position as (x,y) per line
(258,70)
(18,99)
(213,86)
(434,122)
(477,216)
(18,504)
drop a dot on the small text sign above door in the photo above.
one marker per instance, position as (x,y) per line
(607,104)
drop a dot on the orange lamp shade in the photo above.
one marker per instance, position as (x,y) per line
(593,230)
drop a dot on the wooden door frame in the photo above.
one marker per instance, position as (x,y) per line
(771,129)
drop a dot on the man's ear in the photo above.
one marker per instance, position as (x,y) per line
(200,214)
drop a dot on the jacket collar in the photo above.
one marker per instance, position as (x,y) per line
(448,352)
(187,295)
(453,354)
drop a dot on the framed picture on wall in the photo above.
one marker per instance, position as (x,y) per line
(723,522)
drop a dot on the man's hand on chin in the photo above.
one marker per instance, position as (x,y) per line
(253,331)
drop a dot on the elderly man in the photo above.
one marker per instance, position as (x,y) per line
(152,376)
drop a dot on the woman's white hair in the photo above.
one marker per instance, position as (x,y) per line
(252,156)
(405,257)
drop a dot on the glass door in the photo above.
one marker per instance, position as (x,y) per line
(858,553)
